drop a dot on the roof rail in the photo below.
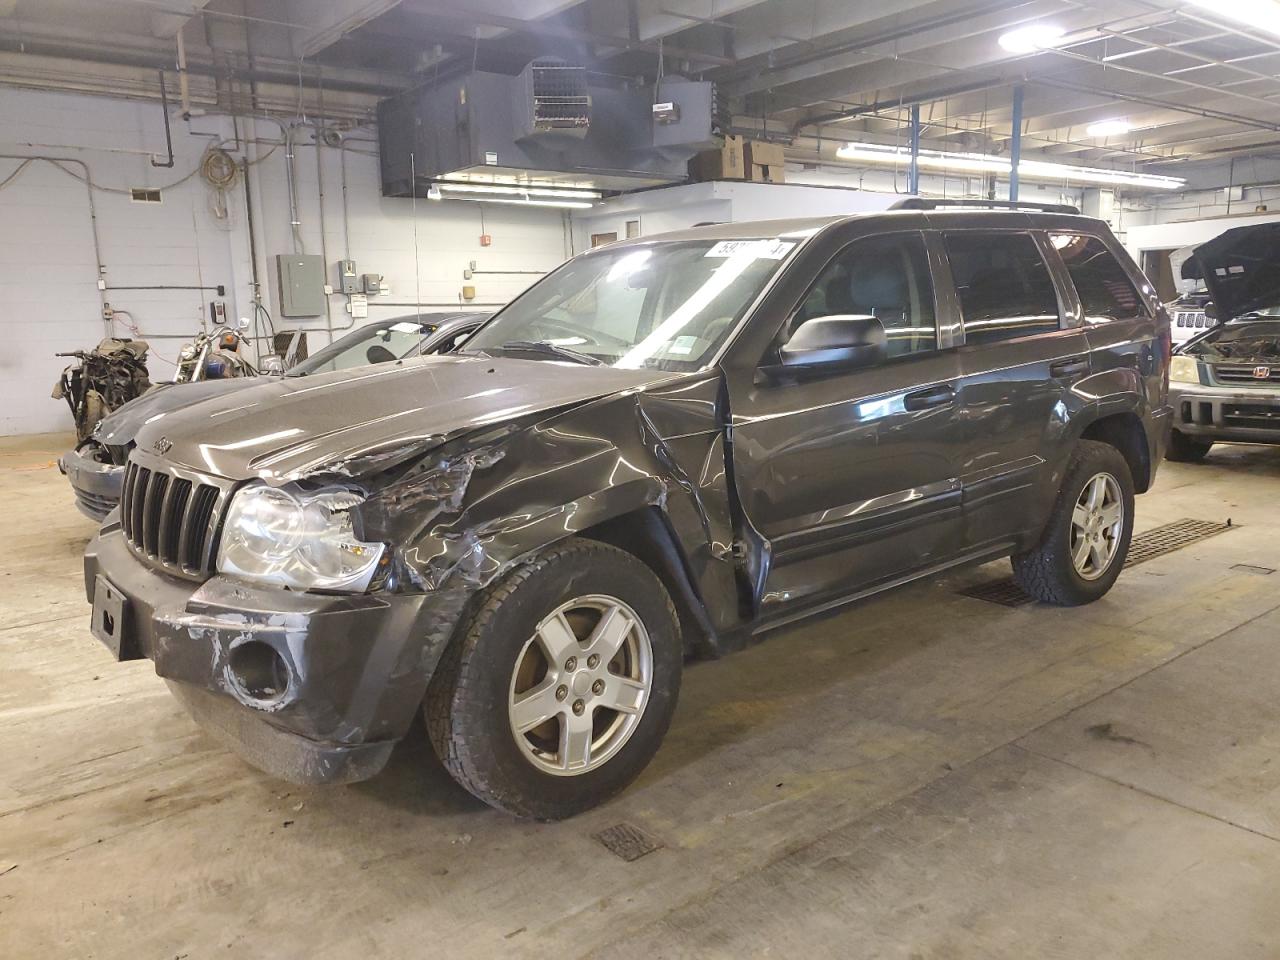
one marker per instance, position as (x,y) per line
(924,203)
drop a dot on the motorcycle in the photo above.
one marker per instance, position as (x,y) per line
(102,379)
(214,355)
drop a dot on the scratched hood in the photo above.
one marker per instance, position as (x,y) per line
(289,427)
(1241,268)
(121,426)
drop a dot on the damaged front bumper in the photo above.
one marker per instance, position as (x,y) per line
(96,485)
(311,688)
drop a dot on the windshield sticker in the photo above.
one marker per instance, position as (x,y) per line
(682,345)
(405,327)
(757,249)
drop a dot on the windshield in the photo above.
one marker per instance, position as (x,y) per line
(376,343)
(666,305)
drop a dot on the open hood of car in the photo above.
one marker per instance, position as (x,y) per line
(1241,269)
(291,427)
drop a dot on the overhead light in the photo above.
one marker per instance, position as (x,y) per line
(984,163)
(433,193)
(1108,128)
(1033,37)
(499,189)
(1261,14)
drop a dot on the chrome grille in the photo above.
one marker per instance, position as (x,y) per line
(1245,373)
(170,520)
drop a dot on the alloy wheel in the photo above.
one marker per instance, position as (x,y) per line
(580,685)
(1097,523)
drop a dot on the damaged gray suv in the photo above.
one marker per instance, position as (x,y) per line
(663,448)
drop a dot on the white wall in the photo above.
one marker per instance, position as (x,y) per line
(48,282)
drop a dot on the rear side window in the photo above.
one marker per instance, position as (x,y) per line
(1105,290)
(1004,286)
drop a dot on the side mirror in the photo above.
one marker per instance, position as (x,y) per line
(839,341)
(1211,310)
(272,365)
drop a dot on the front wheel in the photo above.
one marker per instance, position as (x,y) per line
(1184,449)
(1086,540)
(562,684)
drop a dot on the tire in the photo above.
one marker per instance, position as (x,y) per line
(499,664)
(1184,449)
(1048,572)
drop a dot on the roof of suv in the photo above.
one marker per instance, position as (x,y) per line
(976,216)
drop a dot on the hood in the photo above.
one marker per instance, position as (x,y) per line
(289,427)
(120,426)
(1241,269)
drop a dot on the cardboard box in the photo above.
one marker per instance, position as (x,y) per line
(764,162)
(725,163)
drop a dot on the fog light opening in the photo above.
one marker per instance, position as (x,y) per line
(258,672)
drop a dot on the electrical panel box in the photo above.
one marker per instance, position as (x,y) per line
(372,283)
(299,281)
(350,282)
(218,312)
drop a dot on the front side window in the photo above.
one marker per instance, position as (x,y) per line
(1004,286)
(666,305)
(1105,290)
(883,277)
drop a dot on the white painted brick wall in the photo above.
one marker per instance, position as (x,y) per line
(49,301)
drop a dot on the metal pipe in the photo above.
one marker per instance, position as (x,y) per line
(168,133)
(913,171)
(184,89)
(1015,144)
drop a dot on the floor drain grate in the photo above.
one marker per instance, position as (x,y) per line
(627,841)
(1250,568)
(1145,546)
(1004,592)
(1158,541)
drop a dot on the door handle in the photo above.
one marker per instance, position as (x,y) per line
(928,399)
(1069,367)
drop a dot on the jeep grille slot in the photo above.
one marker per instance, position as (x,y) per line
(169,520)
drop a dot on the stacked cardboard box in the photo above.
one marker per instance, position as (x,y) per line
(764,162)
(724,163)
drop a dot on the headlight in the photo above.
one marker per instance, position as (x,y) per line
(301,540)
(1184,370)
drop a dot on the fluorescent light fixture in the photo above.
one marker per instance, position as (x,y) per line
(497,189)
(1260,14)
(1108,128)
(1033,37)
(518,202)
(983,163)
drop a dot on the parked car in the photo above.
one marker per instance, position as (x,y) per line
(1226,381)
(96,466)
(664,447)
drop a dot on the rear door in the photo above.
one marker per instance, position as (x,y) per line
(1019,362)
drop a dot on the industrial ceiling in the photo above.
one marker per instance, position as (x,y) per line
(1136,85)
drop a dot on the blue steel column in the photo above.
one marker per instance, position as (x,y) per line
(913,172)
(1015,144)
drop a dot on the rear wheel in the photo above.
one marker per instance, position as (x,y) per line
(562,684)
(1086,540)
(1185,449)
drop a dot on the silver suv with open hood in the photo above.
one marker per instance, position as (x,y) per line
(1225,383)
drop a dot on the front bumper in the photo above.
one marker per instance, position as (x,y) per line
(1249,415)
(348,672)
(96,485)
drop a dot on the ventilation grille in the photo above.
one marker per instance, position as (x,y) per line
(144,195)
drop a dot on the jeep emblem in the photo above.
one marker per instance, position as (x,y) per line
(1262,373)
(163,445)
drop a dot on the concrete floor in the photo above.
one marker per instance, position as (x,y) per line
(924,775)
